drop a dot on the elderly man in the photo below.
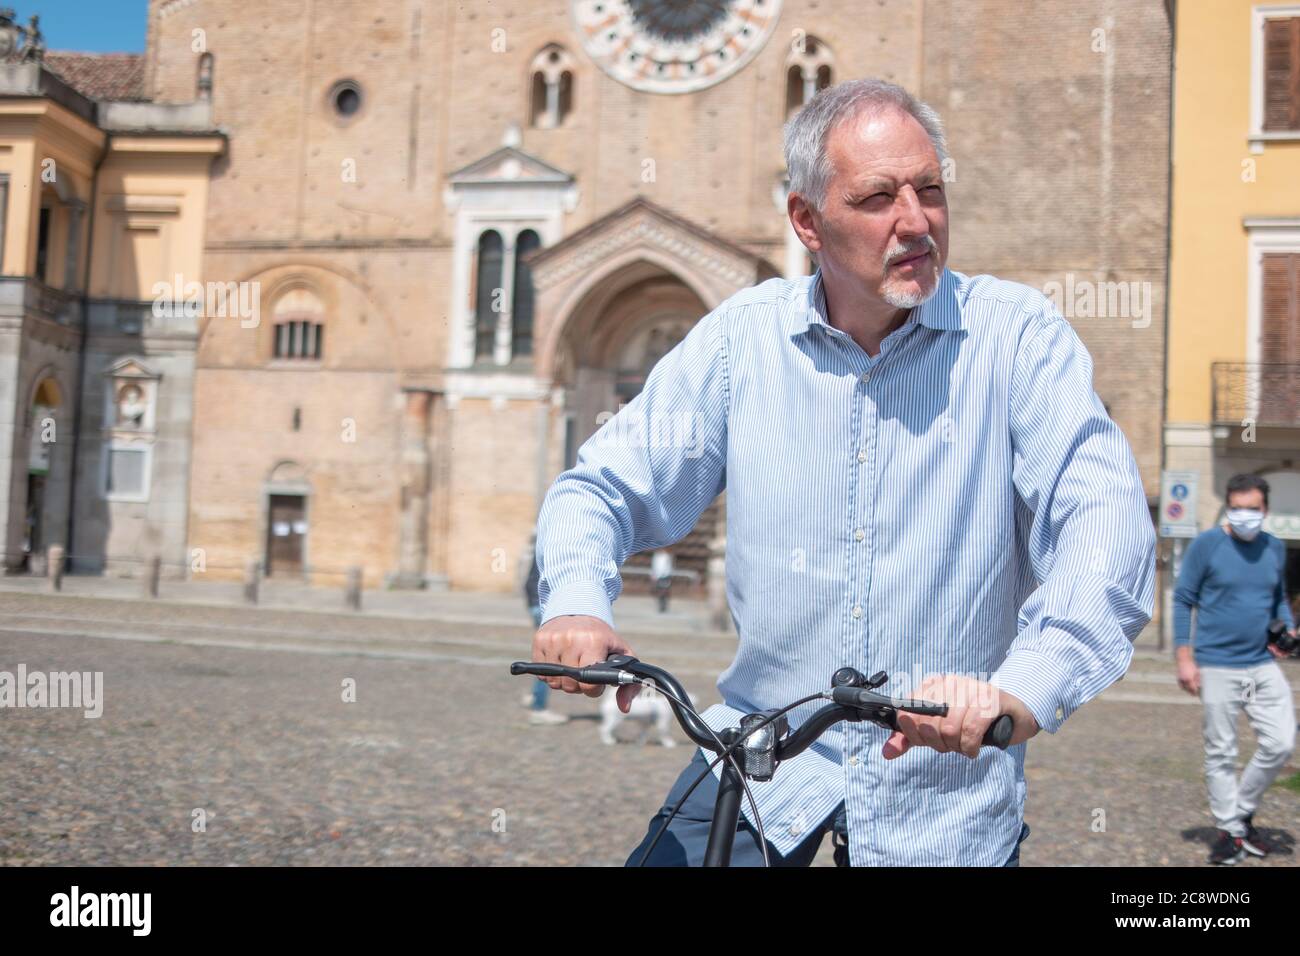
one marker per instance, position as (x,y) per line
(920,480)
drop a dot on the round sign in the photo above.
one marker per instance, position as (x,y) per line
(1175,510)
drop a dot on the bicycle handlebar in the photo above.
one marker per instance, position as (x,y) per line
(850,703)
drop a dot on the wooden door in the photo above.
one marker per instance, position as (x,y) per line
(286,535)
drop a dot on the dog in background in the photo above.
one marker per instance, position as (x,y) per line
(650,709)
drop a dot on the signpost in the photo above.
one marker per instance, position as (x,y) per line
(1177,521)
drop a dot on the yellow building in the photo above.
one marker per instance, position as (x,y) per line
(1233,362)
(102,201)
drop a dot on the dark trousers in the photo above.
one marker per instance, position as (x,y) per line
(688,834)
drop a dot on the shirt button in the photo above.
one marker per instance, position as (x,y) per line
(862,454)
(859,534)
(857,611)
(853,761)
(866,377)
(1060,713)
(796,830)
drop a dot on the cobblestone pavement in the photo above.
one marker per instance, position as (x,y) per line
(239,713)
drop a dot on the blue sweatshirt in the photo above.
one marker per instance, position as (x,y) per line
(1237,587)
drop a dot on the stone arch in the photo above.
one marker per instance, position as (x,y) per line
(288,473)
(625,319)
(278,279)
(614,276)
(45,388)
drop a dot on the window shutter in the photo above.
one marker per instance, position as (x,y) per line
(1280,339)
(1280,319)
(1282,74)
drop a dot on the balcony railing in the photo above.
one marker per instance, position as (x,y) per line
(24,295)
(1265,393)
(129,317)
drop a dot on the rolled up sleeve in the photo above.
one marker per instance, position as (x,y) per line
(641,481)
(1091,541)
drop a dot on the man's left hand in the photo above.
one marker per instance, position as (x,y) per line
(973,705)
(1275,651)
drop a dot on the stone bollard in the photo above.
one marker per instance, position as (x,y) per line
(152,572)
(252,580)
(352,596)
(54,566)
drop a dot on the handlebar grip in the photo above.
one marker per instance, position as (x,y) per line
(539,670)
(999,733)
(583,675)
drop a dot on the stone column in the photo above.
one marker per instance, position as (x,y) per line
(352,590)
(74,245)
(413,543)
(4,206)
(552,101)
(54,566)
(505,323)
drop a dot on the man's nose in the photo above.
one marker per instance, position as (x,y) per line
(911,217)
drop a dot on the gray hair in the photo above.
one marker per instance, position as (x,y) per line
(807,133)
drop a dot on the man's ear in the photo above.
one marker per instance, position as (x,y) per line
(804,222)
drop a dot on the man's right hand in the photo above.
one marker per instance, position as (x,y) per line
(576,640)
(1189,675)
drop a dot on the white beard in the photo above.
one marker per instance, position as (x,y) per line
(909,298)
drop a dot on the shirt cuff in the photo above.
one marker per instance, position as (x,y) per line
(1041,684)
(579,597)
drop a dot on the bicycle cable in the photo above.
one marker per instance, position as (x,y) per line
(727,754)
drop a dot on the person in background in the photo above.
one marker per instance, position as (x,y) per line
(1234,576)
(537,698)
(661,570)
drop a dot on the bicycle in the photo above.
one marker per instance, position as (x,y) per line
(762,741)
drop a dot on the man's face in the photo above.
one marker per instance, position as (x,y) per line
(1251,498)
(883,225)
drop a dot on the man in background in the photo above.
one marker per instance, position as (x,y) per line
(1233,575)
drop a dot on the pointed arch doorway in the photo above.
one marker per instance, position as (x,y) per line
(611,299)
(613,339)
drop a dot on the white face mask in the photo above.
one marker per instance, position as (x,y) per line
(1245,522)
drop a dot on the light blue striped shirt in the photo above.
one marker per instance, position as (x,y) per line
(960,503)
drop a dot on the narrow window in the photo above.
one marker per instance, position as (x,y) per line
(488,286)
(521,333)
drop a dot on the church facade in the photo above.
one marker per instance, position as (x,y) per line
(451,239)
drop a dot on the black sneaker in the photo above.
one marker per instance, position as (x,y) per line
(1252,842)
(1227,849)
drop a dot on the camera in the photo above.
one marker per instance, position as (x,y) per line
(1277,634)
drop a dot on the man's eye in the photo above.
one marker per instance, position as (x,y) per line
(936,188)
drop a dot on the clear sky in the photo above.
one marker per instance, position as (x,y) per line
(91,26)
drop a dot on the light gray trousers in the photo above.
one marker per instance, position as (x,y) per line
(1263,692)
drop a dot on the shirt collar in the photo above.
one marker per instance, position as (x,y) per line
(941,311)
